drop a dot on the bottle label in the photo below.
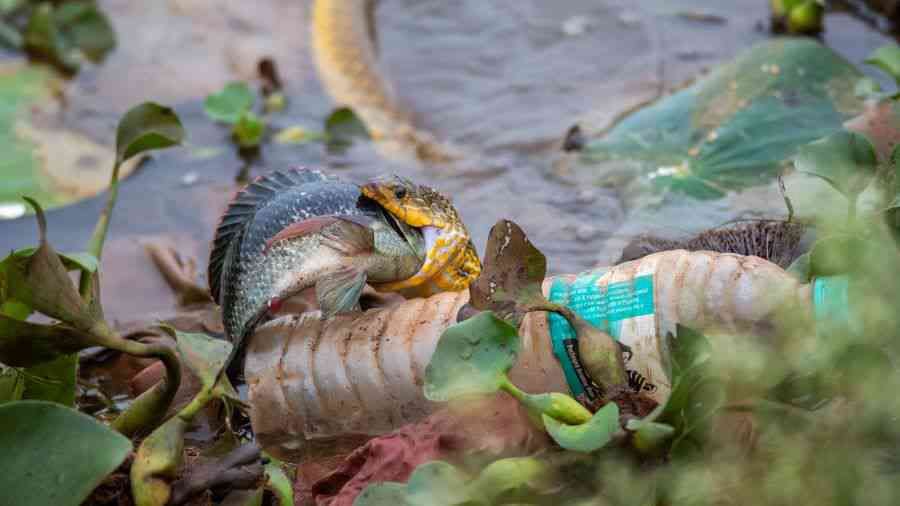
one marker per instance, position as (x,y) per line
(625,310)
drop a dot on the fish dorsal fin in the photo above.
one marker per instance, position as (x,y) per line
(241,211)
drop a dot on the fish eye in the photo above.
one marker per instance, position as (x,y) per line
(400,192)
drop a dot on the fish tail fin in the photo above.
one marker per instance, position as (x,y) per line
(340,292)
(240,212)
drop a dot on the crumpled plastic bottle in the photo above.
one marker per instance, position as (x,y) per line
(362,373)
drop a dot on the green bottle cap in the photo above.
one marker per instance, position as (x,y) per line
(831,306)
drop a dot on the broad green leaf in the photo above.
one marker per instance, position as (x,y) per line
(248,130)
(24,344)
(887,58)
(146,127)
(156,463)
(471,357)
(44,37)
(229,104)
(738,126)
(383,494)
(837,254)
(846,160)
(42,282)
(589,436)
(204,355)
(83,25)
(53,454)
(438,482)
(696,395)
(506,480)
(513,271)
(342,126)
(53,381)
(42,160)
(72,261)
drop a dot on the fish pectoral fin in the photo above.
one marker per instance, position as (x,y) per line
(340,292)
(329,225)
(350,235)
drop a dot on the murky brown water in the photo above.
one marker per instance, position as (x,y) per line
(502,78)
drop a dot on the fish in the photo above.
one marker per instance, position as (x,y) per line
(292,230)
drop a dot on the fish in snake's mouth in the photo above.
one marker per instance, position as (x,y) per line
(451,262)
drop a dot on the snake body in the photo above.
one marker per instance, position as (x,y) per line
(346,54)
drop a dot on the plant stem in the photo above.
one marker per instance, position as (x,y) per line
(150,407)
(95,245)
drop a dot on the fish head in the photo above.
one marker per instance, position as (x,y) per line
(451,261)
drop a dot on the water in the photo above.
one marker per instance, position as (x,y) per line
(504,79)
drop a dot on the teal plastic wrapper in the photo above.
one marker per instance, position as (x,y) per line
(832,306)
(607,307)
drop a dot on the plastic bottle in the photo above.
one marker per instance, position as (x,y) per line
(363,373)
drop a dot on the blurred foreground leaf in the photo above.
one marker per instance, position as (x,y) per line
(589,436)
(53,454)
(846,160)
(471,357)
(887,58)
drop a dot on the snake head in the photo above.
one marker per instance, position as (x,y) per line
(451,261)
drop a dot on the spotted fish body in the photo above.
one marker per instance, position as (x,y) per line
(292,230)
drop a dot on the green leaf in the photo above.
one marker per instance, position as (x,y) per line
(280,485)
(510,281)
(12,384)
(846,160)
(837,254)
(887,58)
(229,104)
(53,381)
(203,355)
(382,494)
(471,357)
(53,454)
(343,126)
(44,37)
(589,436)
(24,344)
(248,130)
(735,128)
(84,26)
(42,282)
(438,482)
(507,480)
(156,463)
(146,127)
